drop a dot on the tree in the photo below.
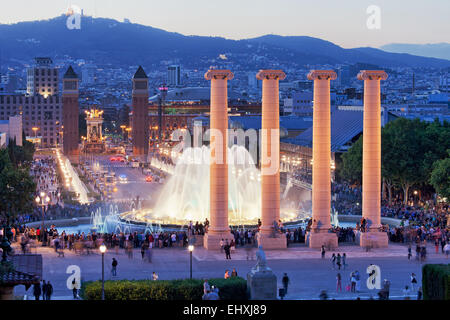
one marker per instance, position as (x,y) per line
(17,188)
(352,163)
(403,152)
(440,177)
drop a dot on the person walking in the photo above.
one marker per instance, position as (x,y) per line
(49,291)
(114,267)
(413,281)
(338,283)
(333,261)
(409,252)
(143,248)
(285,281)
(37,291)
(322,252)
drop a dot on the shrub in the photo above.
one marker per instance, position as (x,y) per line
(229,289)
(436,281)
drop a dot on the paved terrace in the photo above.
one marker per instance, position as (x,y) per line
(309,274)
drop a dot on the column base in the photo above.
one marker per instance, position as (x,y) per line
(319,239)
(211,241)
(269,243)
(373,239)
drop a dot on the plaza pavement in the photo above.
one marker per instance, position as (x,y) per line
(308,273)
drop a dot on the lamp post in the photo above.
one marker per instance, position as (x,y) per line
(123,127)
(191,249)
(103,250)
(42,200)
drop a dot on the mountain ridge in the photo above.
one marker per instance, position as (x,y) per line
(111,41)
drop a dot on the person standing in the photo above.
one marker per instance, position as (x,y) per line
(227,274)
(74,289)
(234,273)
(285,281)
(419,294)
(409,252)
(353,282)
(227,251)
(114,267)
(358,281)
(221,245)
(338,283)
(44,290)
(338,261)
(206,287)
(322,252)
(344,260)
(447,249)
(155,276)
(49,291)
(37,291)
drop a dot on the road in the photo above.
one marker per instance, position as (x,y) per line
(135,184)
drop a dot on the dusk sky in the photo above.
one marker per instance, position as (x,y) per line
(342,22)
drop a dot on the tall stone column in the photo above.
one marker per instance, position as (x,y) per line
(321,180)
(270,159)
(218,226)
(371,180)
(70,110)
(139,127)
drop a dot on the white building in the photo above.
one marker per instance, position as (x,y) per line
(11,129)
(42,78)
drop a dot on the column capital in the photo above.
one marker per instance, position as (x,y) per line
(219,74)
(372,75)
(322,75)
(271,74)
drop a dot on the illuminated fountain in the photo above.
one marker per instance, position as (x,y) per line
(185,195)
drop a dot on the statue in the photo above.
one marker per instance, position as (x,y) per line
(261,262)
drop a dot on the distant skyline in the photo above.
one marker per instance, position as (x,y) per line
(341,22)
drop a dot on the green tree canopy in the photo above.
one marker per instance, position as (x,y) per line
(17,187)
(440,177)
(352,163)
(409,148)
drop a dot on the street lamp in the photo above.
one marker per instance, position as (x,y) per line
(191,249)
(103,250)
(42,201)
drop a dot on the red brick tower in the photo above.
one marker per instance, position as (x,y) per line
(70,115)
(140,130)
